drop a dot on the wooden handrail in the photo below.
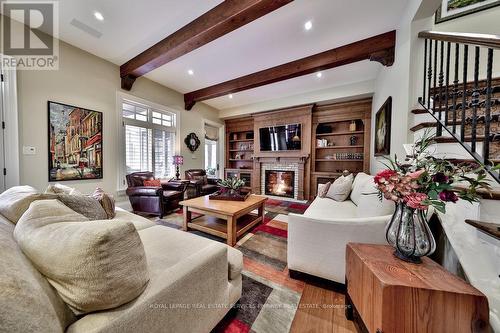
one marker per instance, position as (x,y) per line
(491,41)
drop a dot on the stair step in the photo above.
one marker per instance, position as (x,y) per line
(423,125)
(419,111)
(446,139)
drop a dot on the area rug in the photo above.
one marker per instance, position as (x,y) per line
(270,297)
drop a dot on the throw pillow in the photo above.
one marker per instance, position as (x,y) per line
(323,189)
(16,200)
(106,200)
(363,183)
(370,206)
(93,266)
(61,189)
(341,188)
(152,182)
(88,207)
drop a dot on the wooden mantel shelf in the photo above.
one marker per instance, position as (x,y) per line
(389,295)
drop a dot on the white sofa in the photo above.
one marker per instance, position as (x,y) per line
(193,282)
(317,239)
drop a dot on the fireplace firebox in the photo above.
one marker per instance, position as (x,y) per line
(280,183)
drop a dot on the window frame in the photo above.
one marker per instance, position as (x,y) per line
(122,121)
(220,145)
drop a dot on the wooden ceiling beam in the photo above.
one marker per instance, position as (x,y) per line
(379,48)
(220,20)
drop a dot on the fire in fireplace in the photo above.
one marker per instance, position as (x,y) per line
(280,183)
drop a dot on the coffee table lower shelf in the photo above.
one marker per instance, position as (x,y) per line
(218,227)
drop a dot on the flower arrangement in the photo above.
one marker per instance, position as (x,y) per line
(422,180)
(231,183)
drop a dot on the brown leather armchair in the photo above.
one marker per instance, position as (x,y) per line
(154,200)
(203,185)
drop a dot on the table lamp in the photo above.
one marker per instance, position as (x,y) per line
(178,160)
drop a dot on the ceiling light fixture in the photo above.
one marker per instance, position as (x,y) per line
(308,25)
(230,95)
(98,16)
(190,72)
(319,75)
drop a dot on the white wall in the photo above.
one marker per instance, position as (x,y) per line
(91,82)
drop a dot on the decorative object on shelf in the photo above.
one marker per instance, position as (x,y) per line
(383,129)
(230,190)
(419,182)
(352,126)
(323,129)
(82,128)
(237,157)
(452,9)
(192,142)
(322,143)
(235,136)
(353,140)
(178,160)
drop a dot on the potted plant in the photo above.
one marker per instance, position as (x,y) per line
(420,182)
(231,185)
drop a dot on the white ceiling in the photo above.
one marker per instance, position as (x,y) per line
(131,26)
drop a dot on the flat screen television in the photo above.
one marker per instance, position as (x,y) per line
(280,138)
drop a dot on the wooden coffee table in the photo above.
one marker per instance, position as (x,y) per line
(225,219)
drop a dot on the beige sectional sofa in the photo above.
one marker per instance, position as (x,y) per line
(192,281)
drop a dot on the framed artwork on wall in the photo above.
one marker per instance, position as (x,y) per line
(452,9)
(383,129)
(74,142)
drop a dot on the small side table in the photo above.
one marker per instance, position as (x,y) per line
(388,295)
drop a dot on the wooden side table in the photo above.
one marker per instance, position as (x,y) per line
(386,294)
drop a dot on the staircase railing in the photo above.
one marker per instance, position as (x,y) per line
(455,102)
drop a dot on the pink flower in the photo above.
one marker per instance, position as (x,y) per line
(384,175)
(416,174)
(414,200)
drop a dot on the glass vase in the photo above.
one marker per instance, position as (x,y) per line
(408,232)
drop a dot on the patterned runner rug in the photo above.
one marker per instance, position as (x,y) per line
(270,297)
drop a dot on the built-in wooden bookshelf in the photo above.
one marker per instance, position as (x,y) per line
(341,140)
(240,150)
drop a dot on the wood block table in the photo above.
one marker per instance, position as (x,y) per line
(222,218)
(386,294)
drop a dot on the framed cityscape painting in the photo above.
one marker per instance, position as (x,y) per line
(75,142)
(383,129)
(451,9)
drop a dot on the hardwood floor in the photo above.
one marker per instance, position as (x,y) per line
(321,310)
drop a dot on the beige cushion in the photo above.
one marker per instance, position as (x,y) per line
(323,189)
(370,206)
(363,183)
(61,189)
(106,200)
(82,204)
(92,265)
(235,261)
(138,221)
(29,303)
(341,188)
(16,200)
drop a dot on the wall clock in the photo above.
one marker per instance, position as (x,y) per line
(192,142)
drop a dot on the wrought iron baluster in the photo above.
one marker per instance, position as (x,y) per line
(435,76)
(487,110)
(464,96)
(425,70)
(439,129)
(455,88)
(429,76)
(446,92)
(475,100)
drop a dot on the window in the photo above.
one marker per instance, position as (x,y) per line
(149,139)
(211,141)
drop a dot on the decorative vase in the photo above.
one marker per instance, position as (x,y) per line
(408,232)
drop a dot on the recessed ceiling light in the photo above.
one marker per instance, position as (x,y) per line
(308,25)
(98,16)
(190,72)
(319,74)
(230,96)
